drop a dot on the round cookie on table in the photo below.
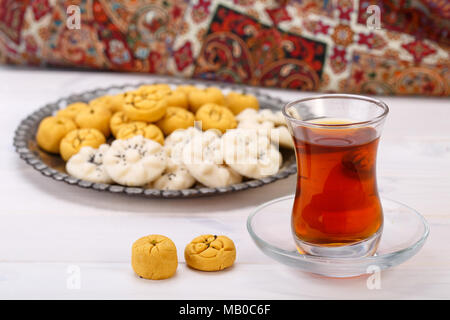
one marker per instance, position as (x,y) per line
(76,139)
(138,128)
(210,253)
(154,257)
(52,130)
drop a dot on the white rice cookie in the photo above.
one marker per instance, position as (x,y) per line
(268,115)
(281,136)
(175,177)
(175,142)
(203,158)
(250,154)
(87,165)
(180,136)
(278,136)
(248,114)
(135,162)
(263,128)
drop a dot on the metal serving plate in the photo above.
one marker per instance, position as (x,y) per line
(53,166)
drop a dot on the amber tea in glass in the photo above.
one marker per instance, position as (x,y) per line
(337,210)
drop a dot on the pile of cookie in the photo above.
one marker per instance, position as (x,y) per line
(165,138)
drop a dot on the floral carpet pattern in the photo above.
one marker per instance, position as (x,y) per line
(312,45)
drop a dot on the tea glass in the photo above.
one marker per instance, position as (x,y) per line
(337,210)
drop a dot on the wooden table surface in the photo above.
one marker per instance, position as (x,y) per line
(59,241)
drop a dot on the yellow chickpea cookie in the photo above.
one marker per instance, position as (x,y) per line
(199,97)
(154,257)
(95,117)
(72,110)
(210,253)
(113,103)
(177,98)
(176,118)
(214,116)
(52,130)
(149,89)
(238,102)
(129,95)
(150,108)
(118,119)
(138,128)
(186,88)
(77,139)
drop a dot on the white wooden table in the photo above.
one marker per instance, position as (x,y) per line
(53,234)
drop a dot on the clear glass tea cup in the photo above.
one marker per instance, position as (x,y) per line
(337,210)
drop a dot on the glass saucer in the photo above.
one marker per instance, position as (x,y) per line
(404,233)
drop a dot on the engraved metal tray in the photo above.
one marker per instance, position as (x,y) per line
(53,166)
